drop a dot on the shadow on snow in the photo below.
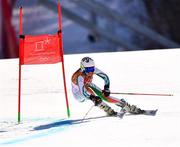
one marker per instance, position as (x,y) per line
(61,123)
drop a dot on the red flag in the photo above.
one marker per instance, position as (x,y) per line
(41,49)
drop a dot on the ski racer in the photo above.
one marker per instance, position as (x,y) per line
(83,89)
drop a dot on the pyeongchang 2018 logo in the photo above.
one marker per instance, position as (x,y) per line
(41,46)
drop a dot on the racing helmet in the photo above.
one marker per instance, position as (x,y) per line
(87,65)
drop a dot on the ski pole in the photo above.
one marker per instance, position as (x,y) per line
(150,94)
(87,113)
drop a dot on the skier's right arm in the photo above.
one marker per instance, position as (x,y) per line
(84,90)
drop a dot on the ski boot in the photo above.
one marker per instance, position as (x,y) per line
(132,109)
(99,103)
(126,107)
(107,109)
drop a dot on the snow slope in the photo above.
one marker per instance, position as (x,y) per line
(44,120)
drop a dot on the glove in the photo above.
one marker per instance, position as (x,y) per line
(106,92)
(96,100)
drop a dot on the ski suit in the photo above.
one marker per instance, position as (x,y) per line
(83,88)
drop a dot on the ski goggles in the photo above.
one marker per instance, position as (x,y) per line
(89,69)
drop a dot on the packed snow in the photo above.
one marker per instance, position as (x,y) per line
(44,121)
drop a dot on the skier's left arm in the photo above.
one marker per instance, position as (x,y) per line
(105,77)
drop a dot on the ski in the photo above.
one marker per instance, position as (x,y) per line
(120,114)
(150,112)
(144,112)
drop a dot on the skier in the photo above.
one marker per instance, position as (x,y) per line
(83,89)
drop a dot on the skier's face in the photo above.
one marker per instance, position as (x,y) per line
(89,77)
